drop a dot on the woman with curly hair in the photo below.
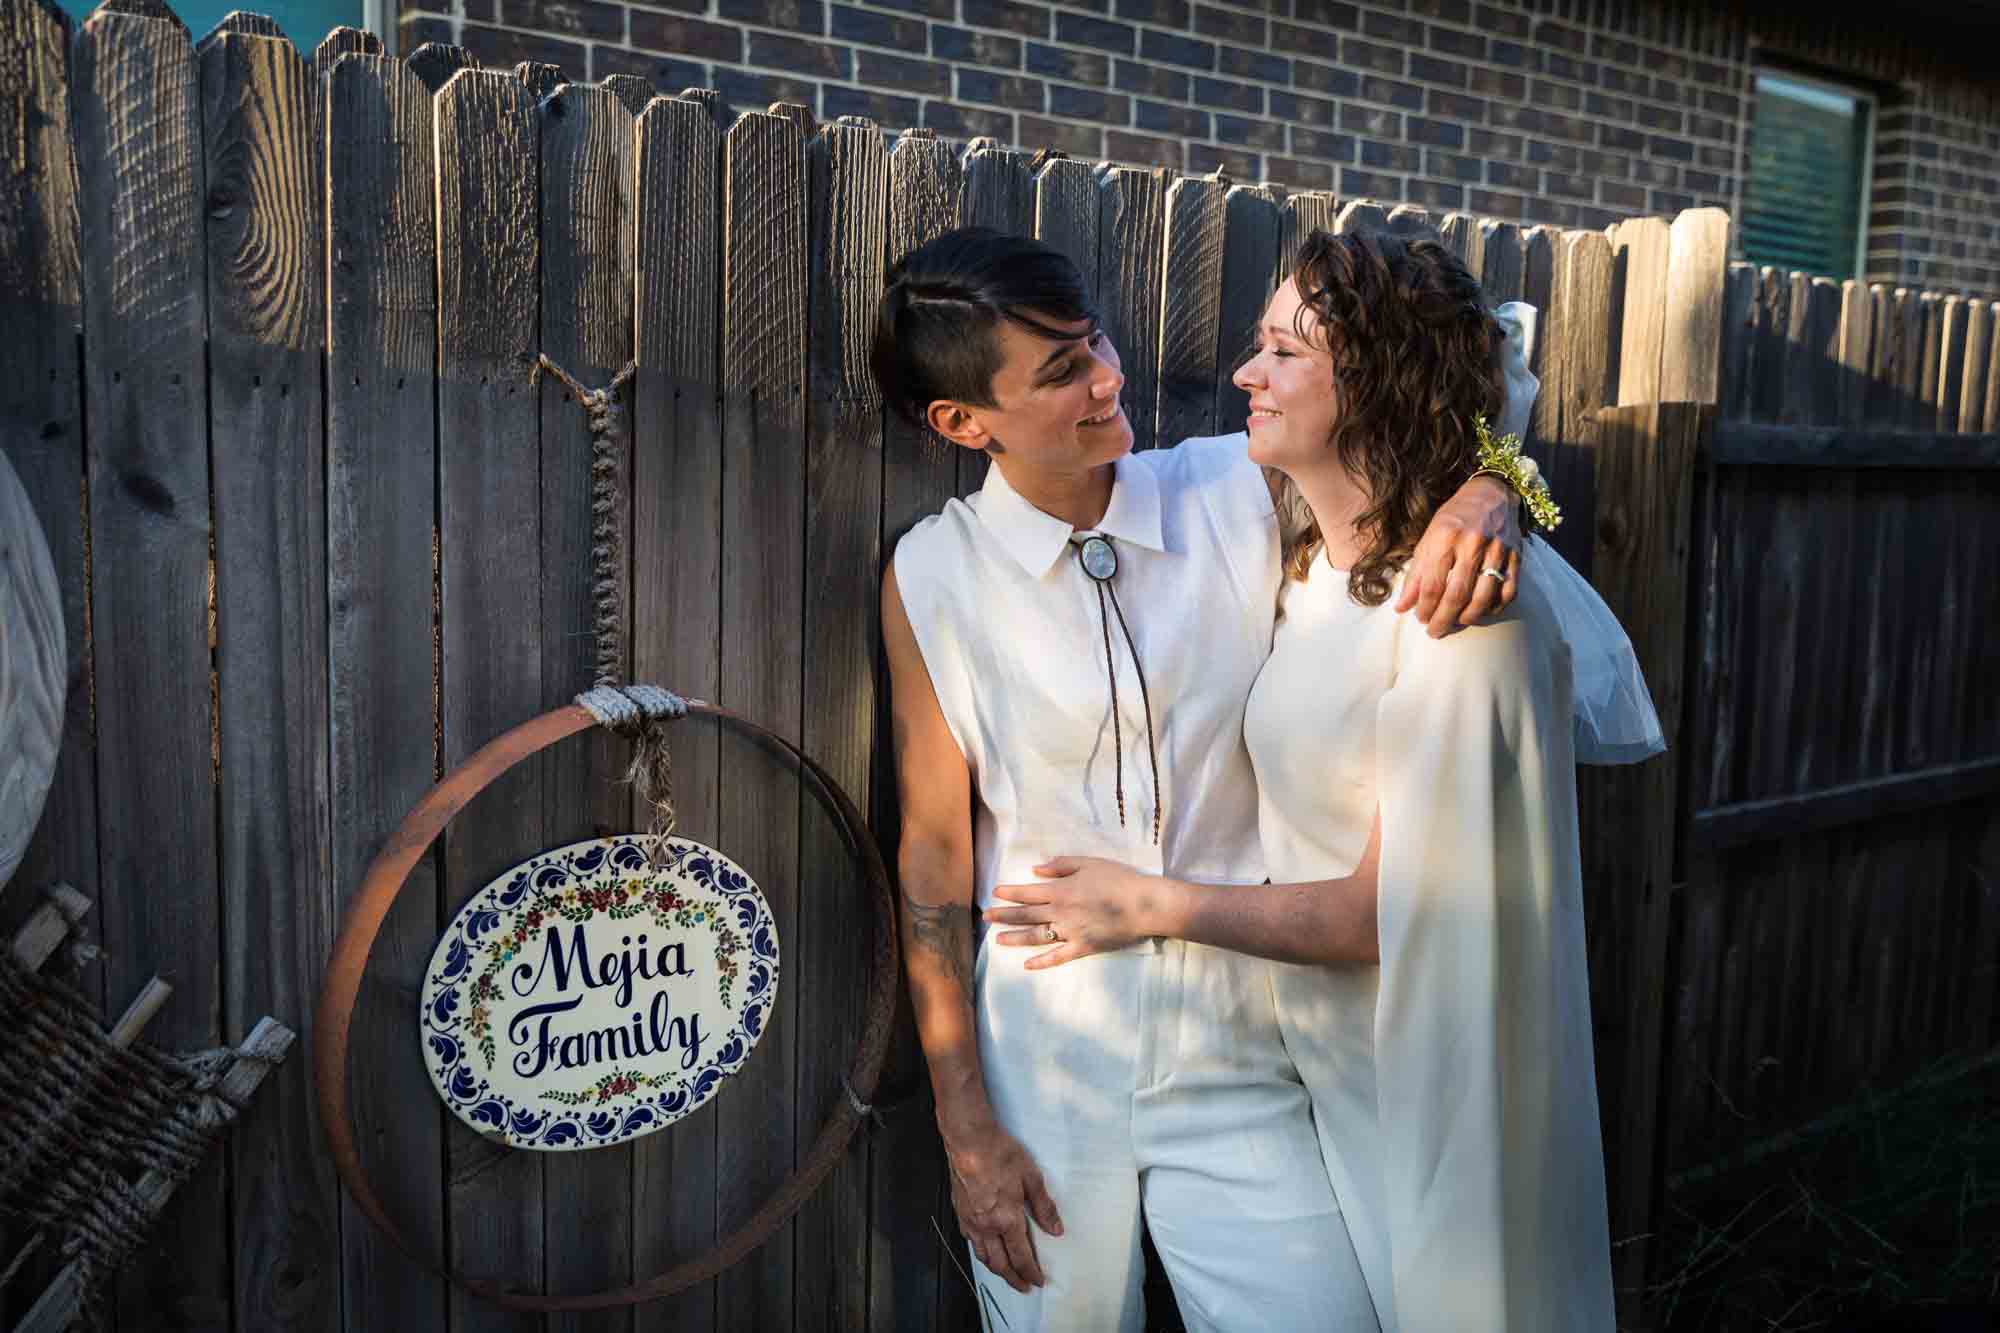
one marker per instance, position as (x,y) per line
(1417,807)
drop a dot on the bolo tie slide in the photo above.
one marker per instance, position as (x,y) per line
(1100,562)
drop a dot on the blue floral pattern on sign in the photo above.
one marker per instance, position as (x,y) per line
(691,894)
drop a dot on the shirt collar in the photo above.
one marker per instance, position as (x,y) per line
(1036,540)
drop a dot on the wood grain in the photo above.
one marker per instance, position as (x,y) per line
(1196,225)
(1132,217)
(677,589)
(1645,464)
(136,122)
(489,503)
(1501,270)
(1693,307)
(1249,261)
(41,418)
(586,145)
(910,1279)
(763,589)
(1641,248)
(265,242)
(381,497)
(849,184)
(1066,212)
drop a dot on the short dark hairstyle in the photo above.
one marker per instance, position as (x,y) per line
(935,326)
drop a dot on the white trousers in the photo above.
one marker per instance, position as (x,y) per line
(1155,1078)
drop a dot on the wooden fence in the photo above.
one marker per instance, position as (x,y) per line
(321,535)
(1842,916)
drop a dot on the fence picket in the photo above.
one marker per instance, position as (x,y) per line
(1584,317)
(338,42)
(1990,407)
(1249,259)
(1924,412)
(907,1278)
(1412,223)
(1693,307)
(999,193)
(41,418)
(1300,215)
(1132,222)
(677,589)
(1953,318)
(850,185)
(1642,249)
(585,144)
(381,453)
(435,62)
(1196,225)
(1360,215)
(763,589)
(1066,216)
(490,615)
(267,327)
(1461,233)
(1500,267)
(136,119)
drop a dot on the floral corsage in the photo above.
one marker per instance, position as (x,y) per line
(1501,456)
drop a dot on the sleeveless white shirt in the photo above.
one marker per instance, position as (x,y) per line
(1011,632)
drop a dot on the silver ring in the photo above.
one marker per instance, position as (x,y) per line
(1049,934)
(1492,572)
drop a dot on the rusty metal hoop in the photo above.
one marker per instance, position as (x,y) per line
(384,882)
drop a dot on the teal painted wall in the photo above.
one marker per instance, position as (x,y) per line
(304,21)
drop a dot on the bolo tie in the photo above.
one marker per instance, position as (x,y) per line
(1100,561)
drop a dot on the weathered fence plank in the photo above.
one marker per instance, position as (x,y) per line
(999,193)
(1066,214)
(1641,248)
(1978,357)
(41,415)
(1131,228)
(381,485)
(1299,216)
(1989,417)
(1956,312)
(1583,325)
(586,143)
(1460,234)
(908,1275)
(434,63)
(677,591)
(1360,215)
(1538,279)
(763,589)
(265,240)
(849,184)
(1500,268)
(1412,223)
(1196,224)
(1692,307)
(136,120)
(1924,413)
(1739,343)
(490,619)
(1249,261)
(1645,463)
(338,42)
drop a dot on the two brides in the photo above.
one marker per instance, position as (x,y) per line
(1303,870)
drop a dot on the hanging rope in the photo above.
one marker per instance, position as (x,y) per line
(638,712)
(608,441)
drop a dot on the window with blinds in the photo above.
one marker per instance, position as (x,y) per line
(1806,193)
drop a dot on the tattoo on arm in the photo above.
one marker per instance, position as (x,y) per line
(945,930)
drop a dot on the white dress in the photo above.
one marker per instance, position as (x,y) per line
(1452,1085)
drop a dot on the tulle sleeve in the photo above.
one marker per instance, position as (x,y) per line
(1615,720)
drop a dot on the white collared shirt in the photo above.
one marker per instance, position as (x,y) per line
(1011,632)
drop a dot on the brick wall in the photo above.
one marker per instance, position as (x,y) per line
(1572,112)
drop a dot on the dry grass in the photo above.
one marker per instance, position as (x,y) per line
(1889,1206)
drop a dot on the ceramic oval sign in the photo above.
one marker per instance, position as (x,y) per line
(586,997)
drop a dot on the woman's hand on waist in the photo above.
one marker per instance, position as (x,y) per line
(1082,905)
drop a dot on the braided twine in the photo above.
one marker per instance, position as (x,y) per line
(83,1120)
(637,713)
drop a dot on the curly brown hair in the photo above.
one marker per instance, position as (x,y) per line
(1415,359)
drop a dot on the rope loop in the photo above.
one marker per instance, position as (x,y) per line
(640,713)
